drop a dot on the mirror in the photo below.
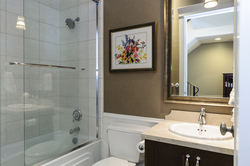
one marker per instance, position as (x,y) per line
(200,64)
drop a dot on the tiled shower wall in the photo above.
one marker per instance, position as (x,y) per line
(11,77)
(80,44)
(47,41)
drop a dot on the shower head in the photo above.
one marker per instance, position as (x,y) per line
(71,23)
(96,1)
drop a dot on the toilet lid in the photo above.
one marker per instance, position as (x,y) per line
(112,161)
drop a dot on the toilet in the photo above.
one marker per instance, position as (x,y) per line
(123,139)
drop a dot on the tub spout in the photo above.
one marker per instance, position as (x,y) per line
(75,130)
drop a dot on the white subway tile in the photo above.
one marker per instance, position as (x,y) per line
(92,128)
(69,35)
(3,44)
(51,3)
(92,107)
(92,30)
(54,89)
(31,9)
(31,48)
(83,12)
(66,73)
(3,4)
(83,32)
(83,73)
(84,126)
(83,1)
(3,111)
(49,123)
(92,68)
(14,46)
(14,89)
(69,103)
(49,51)
(3,134)
(83,105)
(14,71)
(31,130)
(65,4)
(69,52)
(92,49)
(32,29)
(49,33)
(15,6)
(83,50)
(83,87)
(3,21)
(49,15)
(69,87)
(92,11)
(92,88)
(15,131)
(54,72)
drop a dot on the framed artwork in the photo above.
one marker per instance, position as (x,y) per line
(132,48)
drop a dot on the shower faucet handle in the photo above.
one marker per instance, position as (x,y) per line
(77,115)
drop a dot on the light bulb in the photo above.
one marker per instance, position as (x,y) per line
(20,23)
(210,3)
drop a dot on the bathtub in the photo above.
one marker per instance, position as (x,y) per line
(85,156)
(40,148)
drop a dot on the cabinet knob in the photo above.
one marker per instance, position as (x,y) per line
(197,161)
(187,161)
(224,129)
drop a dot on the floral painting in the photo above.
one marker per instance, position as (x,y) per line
(131,51)
(132,48)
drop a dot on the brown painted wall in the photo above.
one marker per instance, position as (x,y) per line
(138,93)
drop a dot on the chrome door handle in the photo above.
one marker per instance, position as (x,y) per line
(187,160)
(198,161)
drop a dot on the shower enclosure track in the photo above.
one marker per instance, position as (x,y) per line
(40,65)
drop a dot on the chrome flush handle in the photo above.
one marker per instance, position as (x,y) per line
(187,160)
(198,161)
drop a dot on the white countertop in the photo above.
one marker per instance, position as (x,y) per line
(161,133)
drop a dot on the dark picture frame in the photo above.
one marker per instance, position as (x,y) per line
(133,48)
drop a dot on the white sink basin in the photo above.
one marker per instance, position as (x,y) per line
(199,131)
(22,106)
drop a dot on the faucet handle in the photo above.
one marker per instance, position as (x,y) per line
(203,112)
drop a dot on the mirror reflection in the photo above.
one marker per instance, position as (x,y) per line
(202,49)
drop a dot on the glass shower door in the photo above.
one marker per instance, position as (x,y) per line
(57,78)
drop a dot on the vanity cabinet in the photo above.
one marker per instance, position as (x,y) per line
(163,154)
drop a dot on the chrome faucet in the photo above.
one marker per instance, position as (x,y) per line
(202,116)
(75,130)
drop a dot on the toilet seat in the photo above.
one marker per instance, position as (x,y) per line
(112,161)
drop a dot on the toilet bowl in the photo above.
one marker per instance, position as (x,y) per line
(123,139)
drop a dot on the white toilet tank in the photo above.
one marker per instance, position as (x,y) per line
(123,139)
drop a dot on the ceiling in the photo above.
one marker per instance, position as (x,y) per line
(204,30)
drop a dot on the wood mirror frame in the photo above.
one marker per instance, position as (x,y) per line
(168,68)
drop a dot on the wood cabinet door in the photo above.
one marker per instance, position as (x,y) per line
(161,154)
(213,159)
